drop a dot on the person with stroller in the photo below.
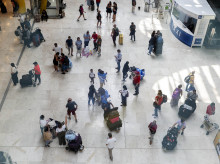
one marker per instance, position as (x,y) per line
(47,136)
(181,126)
(190,81)
(71,108)
(124,95)
(37,73)
(136,82)
(157,103)
(125,70)
(91,94)
(14,73)
(177,93)
(61,131)
(152,129)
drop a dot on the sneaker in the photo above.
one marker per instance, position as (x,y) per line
(148,53)
(182,133)
(135,94)
(38,84)
(63,73)
(76,120)
(85,19)
(78,20)
(150,142)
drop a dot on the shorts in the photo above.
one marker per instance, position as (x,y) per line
(71,111)
(79,51)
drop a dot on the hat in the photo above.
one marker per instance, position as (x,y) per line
(35,63)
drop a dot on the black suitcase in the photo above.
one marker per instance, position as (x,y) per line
(26,80)
(3,8)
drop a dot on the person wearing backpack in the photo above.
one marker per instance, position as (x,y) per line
(177,93)
(124,95)
(114,34)
(157,103)
(190,81)
(132,30)
(152,129)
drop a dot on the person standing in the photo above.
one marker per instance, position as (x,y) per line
(124,95)
(14,73)
(190,81)
(152,129)
(71,108)
(110,145)
(151,45)
(69,45)
(37,72)
(118,58)
(99,18)
(78,44)
(43,123)
(95,37)
(91,94)
(56,61)
(92,76)
(157,103)
(114,34)
(86,39)
(136,82)
(132,30)
(26,36)
(61,131)
(98,3)
(181,126)
(115,8)
(15,8)
(81,12)
(57,48)
(99,44)
(47,136)
(133,5)
(177,93)
(109,9)
(125,70)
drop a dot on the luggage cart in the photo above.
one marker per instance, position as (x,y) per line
(209,126)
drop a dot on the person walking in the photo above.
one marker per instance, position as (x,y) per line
(152,129)
(102,77)
(37,72)
(124,95)
(71,108)
(125,70)
(61,131)
(177,93)
(92,76)
(69,45)
(26,36)
(57,48)
(78,44)
(118,58)
(86,39)
(99,18)
(14,73)
(190,81)
(81,12)
(43,123)
(110,145)
(114,34)
(91,94)
(133,5)
(47,136)
(56,61)
(181,126)
(98,3)
(115,8)
(157,103)
(99,44)
(109,9)
(136,82)
(132,30)
(95,37)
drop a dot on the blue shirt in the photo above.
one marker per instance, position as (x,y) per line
(86,37)
(78,44)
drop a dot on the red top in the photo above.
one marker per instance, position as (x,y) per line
(210,110)
(137,79)
(95,37)
(98,1)
(159,100)
(152,127)
(37,70)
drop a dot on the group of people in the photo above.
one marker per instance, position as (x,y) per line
(155,43)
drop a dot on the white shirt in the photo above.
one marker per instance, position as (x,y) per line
(118,57)
(57,49)
(111,143)
(180,124)
(61,129)
(22,18)
(91,74)
(124,93)
(13,69)
(43,123)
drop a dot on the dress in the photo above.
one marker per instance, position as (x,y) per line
(109,9)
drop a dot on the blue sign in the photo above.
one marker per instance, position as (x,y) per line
(181,35)
(198,41)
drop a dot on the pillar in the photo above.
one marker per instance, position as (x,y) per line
(43,5)
(22,8)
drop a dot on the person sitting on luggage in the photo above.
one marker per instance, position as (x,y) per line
(44,15)
(181,125)
(210,109)
(192,95)
(61,131)
(47,136)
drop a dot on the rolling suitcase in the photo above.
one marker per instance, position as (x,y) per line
(36,40)
(26,80)
(120,39)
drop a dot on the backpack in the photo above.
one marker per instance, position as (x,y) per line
(16,33)
(164,98)
(116,32)
(187,79)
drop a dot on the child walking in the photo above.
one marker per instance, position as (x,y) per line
(91,76)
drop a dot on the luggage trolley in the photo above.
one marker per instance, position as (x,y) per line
(209,126)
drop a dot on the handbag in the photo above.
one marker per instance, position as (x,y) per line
(155,104)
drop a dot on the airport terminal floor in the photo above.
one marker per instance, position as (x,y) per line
(20,134)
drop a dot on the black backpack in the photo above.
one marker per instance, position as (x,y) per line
(116,32)
(16,33)
(164,98)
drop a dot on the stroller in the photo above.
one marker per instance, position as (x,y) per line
(187,109)
(27,80)
(113,120)
(209,126)
(74,141)
(170,140)
(133,69)
(37,37)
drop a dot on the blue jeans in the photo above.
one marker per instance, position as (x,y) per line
(150,48)
(189,87)
(93,100)
(42,130)
(156,110)
(118,63)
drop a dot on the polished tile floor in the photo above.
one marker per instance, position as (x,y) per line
(19,118)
